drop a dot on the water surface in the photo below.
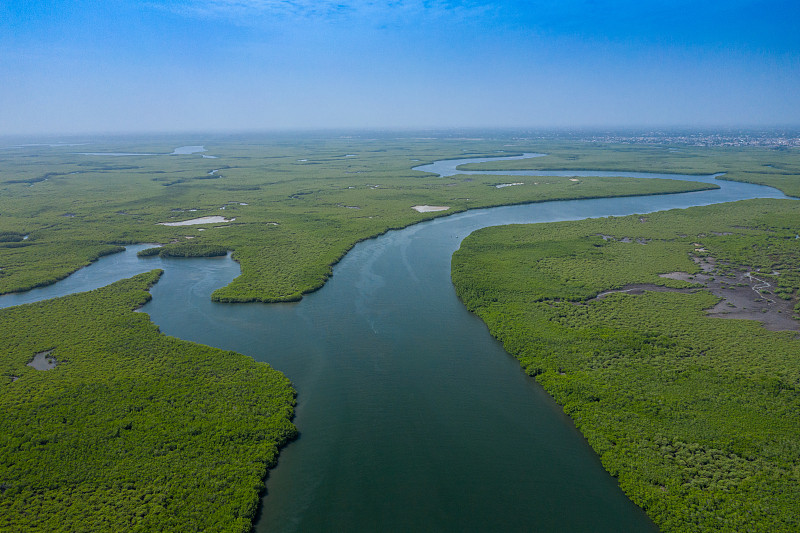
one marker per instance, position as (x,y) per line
(188,150)
(103,272)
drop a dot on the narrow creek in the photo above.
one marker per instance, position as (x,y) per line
(411,416)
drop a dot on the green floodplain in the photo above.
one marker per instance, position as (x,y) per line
(696,416)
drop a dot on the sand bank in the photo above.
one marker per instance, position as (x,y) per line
(429,208)
(201,220)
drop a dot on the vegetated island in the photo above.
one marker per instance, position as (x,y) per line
(696,416)
(131,430)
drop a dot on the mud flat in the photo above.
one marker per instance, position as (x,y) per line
(744,295)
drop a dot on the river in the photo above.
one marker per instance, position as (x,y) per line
(411,416)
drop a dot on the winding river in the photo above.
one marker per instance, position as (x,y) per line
(411,416)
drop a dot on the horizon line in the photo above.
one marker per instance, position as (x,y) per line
(606,129)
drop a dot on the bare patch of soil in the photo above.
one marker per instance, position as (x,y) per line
(744,295)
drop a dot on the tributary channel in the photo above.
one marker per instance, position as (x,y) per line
(411,416)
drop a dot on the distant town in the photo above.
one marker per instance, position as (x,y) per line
(765,138)
(769,139)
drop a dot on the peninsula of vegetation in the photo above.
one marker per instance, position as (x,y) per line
(696,416)
(132,430)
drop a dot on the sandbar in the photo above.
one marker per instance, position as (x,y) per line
(429,208)
(201,220)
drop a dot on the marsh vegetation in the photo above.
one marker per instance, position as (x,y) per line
(133,400)
(696,416)
(131,430)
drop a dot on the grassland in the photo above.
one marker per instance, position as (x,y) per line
(299,203)
(132,430)
(697,417)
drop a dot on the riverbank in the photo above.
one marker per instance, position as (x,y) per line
(685,410)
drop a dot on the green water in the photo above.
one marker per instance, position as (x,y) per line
(411,416)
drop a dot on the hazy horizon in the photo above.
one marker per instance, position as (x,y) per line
(522,133)
(230,66)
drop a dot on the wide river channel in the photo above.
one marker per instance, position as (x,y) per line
(411,416)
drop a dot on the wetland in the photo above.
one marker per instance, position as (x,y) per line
(410,414)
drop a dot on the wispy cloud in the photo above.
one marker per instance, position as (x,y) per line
(236,9)
(324,10)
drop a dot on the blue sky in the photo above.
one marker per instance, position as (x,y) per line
(188,65)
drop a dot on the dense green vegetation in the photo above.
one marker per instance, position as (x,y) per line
(698,417)
(184,250)
(137,431)
(132,430)
(299,203)
(11,236)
